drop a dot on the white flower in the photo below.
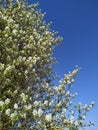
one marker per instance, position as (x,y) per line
(59,104)
(24,97)
(46,102)
(76,123)
(1,66)
(19,125)
(15,106)
(28,107)
(85,107)
(15,32)
(23,115)
(10,20)
(26,71)
(33,70)
(51,103)
(8,68)
(88,108)
(83,117)
(36,103)
(7,101)
(1,103)
(64,110)
(71,119)
(74,72)
(7,112)
(4,17)
(92,103)
(21,31)
(67,93)
(34,112)
(13,115)
(7,28)
(39,122)
(56,89)
(24,58)
(20,58)
(72,112)
(29,58)
(31,37)
(68,82)
(72,80)
(48,117)
(15,91)
(40,112)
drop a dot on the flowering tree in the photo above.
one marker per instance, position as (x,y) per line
(28,98)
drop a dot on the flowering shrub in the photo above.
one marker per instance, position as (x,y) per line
(28,98)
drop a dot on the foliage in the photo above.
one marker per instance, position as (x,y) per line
(73,129)
(28,98)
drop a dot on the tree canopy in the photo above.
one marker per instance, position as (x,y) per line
(28,97)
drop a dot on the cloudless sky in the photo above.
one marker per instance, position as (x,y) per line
(77,23)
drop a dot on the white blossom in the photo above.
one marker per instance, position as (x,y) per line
(76,123)
(36,103)
(15,32)
(7,101)
(48,117)
(15,91)
(72,119)
(67,93)
(83,116)
(24,97)
(40,112)
(46,102)
(92,103)
(13,115)
(23,115)
(64,110)
(1,103)
(85,107)
(28,107)
(1,66)
(15,106)
(7,112)
(34,112)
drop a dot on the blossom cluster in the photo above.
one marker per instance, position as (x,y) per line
(51,107)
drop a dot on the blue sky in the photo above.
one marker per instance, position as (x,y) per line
(77,23)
